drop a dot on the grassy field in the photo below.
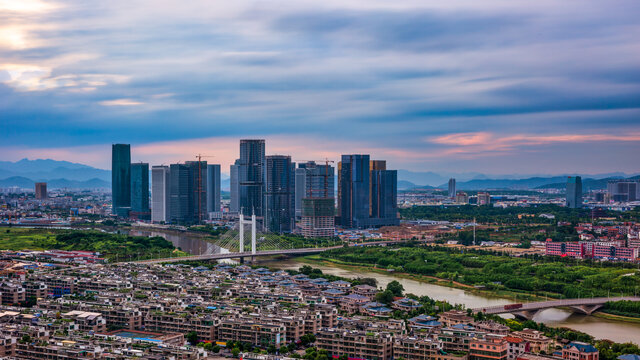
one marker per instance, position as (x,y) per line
(27,239)
(114,247)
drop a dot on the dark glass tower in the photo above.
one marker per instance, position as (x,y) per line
(121,178)
(213,188)
(251,176)
(574,192)
(180,194)
(353,191)
(140,189)
(384,194)
(279,205)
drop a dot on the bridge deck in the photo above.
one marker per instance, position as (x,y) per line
(533,306)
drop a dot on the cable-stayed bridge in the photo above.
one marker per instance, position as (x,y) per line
(244,241)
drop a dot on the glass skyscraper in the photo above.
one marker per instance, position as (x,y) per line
(187,194)
(574,192)
(140,190)
(251,168)
(353,200)
(213,188)
(279,205)
(160,193)
(121,179)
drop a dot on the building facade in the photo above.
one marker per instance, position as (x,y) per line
(41,191)
(574,192)
(140,191)
(213,188)
(279,200)
(353,191)
(623,190)
(251,169)
(121,179)
(160,193)
(452,188)
(234,186)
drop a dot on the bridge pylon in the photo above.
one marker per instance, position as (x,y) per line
(242,222)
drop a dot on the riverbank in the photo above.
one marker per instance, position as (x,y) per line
(505,294)
(605,315)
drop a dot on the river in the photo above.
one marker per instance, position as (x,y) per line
(598,327)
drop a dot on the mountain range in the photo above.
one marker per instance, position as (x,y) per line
(63,174)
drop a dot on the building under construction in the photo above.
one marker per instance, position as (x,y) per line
(317,203)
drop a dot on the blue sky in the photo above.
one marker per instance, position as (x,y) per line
(459,86)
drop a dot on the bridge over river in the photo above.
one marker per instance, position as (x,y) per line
(528,310)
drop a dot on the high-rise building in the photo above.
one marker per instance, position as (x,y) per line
(251,176)
(353,191)
(180,194)
(198,189)
(574,192)
(213,188)
(279,198)
(318,217)
(160,193)
(623,190)
(234,203)
(188,196)
(374,165)
(484,198)
(452,188)
(384,195)
(300,188)
(41,191)
(315,191)
(121,179)
(140,191)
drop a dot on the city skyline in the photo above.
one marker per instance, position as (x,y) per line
(448,87)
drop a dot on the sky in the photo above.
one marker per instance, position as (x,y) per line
(493,86)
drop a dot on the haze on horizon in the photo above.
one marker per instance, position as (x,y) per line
(494,87)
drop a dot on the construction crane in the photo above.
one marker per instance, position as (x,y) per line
(326,174)
(199,157)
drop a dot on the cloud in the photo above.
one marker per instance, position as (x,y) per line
(120,102)
(480,143)
(359,76)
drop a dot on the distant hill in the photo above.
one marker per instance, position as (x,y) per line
(587,184)
(26,183)
(45,170)
(510,184)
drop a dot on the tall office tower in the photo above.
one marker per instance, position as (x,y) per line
(251,176)
(140,191)
(279,198)
(213,188)
(160,194)
(198,190)
(353,192)
(452,188)
(574,192)
(623,190)
(300,188)
(121,179)
(180,194)
(317,199)
(234,204)
(41,191)
(384,198)
(484,198)
(374,165)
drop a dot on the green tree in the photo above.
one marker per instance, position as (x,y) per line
(395,288)
(192,337)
